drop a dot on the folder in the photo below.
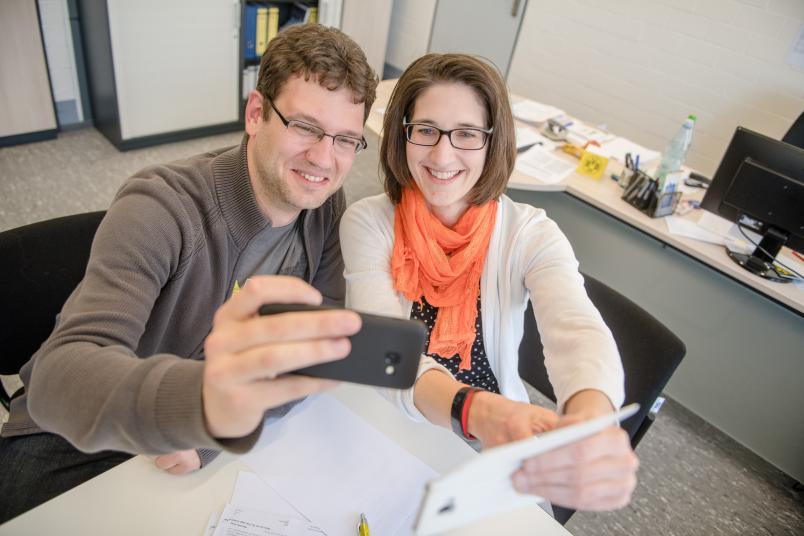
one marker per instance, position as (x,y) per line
(482,487)
(262,30)
(250,32)
(273,23)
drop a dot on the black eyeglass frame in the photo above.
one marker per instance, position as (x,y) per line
(362,141)
(442,132)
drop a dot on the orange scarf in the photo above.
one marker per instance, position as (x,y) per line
(443,265)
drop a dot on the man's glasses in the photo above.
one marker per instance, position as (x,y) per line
(470,139)
(313,134)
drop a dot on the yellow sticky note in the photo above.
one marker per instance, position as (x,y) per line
(592,165)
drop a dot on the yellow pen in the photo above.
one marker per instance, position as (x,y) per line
(362,527)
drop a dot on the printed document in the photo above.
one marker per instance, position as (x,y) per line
(332,465)
(238,521)
(544,165)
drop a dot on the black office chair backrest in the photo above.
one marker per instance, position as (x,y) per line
(650,354)
(41,265)
(795,136)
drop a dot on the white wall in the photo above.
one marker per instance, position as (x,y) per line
(409,35)
(640,66)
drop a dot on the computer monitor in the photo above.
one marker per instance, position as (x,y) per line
(760,185)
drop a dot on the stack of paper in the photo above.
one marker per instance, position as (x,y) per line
(544,165)
(330,464)
(257,509)
(535,112)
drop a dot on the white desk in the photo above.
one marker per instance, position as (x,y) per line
(744,365)
(135,498)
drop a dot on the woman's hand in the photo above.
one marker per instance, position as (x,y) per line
(496,420)
(179,463)
(596,473)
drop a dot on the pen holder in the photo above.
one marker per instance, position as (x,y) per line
(642,193)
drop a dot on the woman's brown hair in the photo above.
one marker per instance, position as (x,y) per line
(487,82)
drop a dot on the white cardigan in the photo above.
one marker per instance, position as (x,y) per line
(528,257)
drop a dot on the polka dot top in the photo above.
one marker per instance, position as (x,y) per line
(480,374)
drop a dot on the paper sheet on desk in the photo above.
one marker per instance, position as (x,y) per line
(690,229)
(618,147)
(238,521)
(544,165)
(251,491)
(332,465)
(527,137)
(535,112)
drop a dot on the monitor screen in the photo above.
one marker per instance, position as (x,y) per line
(763,179)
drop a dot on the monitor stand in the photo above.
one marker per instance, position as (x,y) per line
(760,262)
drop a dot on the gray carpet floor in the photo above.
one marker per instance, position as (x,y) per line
(693,479)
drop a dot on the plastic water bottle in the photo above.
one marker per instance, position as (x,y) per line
(676,151)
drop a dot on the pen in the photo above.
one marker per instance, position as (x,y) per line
(636,163)
(362,527)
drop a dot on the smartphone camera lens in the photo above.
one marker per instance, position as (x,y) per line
(391,360)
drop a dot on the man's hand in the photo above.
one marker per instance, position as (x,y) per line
(596,473)
(496,420)
(179,463)
(247,354)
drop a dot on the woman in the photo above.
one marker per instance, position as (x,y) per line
(444,245)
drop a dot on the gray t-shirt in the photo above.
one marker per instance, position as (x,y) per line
(274,251)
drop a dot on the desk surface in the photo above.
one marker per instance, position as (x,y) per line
(135,498)
(604,194)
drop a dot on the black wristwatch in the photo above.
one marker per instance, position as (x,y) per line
(460,412)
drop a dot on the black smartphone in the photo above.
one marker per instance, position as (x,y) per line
(385,352)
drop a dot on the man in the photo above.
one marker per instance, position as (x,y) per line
(159,350)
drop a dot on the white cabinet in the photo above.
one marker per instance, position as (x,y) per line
(26,102)
(162,70)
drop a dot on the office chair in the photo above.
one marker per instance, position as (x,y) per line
(795,136)
(42,264)
(650,354)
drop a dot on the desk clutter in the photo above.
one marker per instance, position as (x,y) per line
(656,195)
(652,196)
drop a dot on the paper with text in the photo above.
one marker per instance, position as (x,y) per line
(332,465)
(544,165)
(238,521)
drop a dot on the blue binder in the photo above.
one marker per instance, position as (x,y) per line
(250,32)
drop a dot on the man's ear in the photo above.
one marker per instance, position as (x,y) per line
(254,108)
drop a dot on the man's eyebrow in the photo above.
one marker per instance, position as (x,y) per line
(435,123)
(313,121)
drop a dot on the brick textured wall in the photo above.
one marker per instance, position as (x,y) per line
(640,66)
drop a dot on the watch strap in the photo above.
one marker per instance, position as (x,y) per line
(459,414)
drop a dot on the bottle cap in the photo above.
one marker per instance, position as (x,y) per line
(693,117)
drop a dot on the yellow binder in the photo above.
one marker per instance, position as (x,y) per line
(273,23)
(262,30)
